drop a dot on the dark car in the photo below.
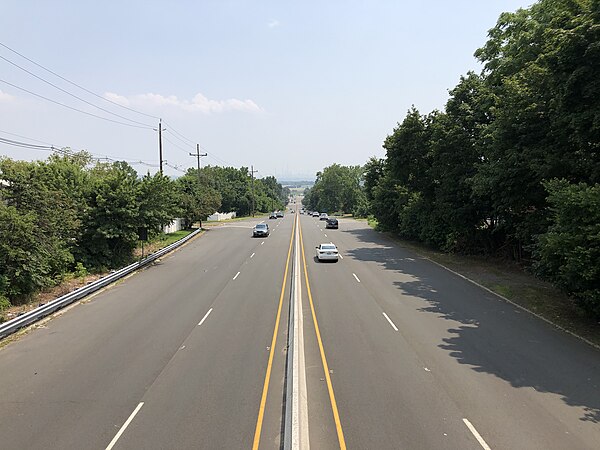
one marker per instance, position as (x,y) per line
(331,223)
(260,229)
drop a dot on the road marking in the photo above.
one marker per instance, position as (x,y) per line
(336,415)
(390,321)
(476,434)
(252,255)
(237,274)
(263,400)
(125,425)
(356,277)
(299,401)
(205,316)
(325,235)
(262,242)
(340,255)
(182,347)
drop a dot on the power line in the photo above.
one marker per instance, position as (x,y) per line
(175,167)
(75,109)
(179,134)
(25,137)
(25,144)
(71,94)
(75,84)
(175,145)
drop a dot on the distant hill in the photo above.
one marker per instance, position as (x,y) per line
(297,184)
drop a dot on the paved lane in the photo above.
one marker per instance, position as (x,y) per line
(75,382)
(423,359)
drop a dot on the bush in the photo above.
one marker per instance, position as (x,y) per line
(568,254)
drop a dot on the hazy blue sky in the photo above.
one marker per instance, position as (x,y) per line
(289,87)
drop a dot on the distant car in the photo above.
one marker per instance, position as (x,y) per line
(273,215)
(332,222)
(291,211)
(315,214)
(323,216)
(327,252)
(279,213)
(260,229)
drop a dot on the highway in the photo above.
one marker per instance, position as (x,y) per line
(399,354)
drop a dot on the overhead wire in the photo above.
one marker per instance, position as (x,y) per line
(135,124)
(25,137)
(75,84)
(74,109)
(73,95)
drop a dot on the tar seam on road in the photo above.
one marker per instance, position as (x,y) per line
(476,434)
(390,321)
(125,425)
(263,400)
(205,316)
(336,415)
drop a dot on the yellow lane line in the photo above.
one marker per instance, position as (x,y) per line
(263,400)
(336,415)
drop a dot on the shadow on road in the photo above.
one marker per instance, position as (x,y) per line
(494,337)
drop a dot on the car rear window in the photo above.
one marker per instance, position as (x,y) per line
(328,247)
(260,225)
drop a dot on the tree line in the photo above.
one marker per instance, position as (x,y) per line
(511,166)
(69,215)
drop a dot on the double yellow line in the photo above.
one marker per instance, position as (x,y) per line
(261,410)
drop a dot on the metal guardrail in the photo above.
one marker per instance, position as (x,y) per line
(13,325)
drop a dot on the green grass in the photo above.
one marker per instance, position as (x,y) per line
(167,239)
(236,219)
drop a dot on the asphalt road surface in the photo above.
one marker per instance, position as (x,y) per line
(400,354)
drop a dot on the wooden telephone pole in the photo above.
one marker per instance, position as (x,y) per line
(198,155)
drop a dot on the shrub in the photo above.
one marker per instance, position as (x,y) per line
(568,254)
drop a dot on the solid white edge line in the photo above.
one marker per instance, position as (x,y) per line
(357,279)
(205,316)
(476,434)
(236,275)
(125,425)
(390,321)
(252,255)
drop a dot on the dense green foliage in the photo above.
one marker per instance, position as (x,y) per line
(511,166)
(337,189)
(67,215)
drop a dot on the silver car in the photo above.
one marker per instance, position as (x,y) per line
(327,252)
(261,229)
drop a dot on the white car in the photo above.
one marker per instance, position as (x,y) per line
(327,252)
(315,214)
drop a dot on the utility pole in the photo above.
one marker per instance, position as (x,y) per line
(198,155)
(160,158)
(252,172)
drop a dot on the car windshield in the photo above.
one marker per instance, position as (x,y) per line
(328,247)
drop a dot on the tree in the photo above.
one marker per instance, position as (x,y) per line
(157,202)
(111,217)
(198,199)
(568,253)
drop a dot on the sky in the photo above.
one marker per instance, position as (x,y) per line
(288,87)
